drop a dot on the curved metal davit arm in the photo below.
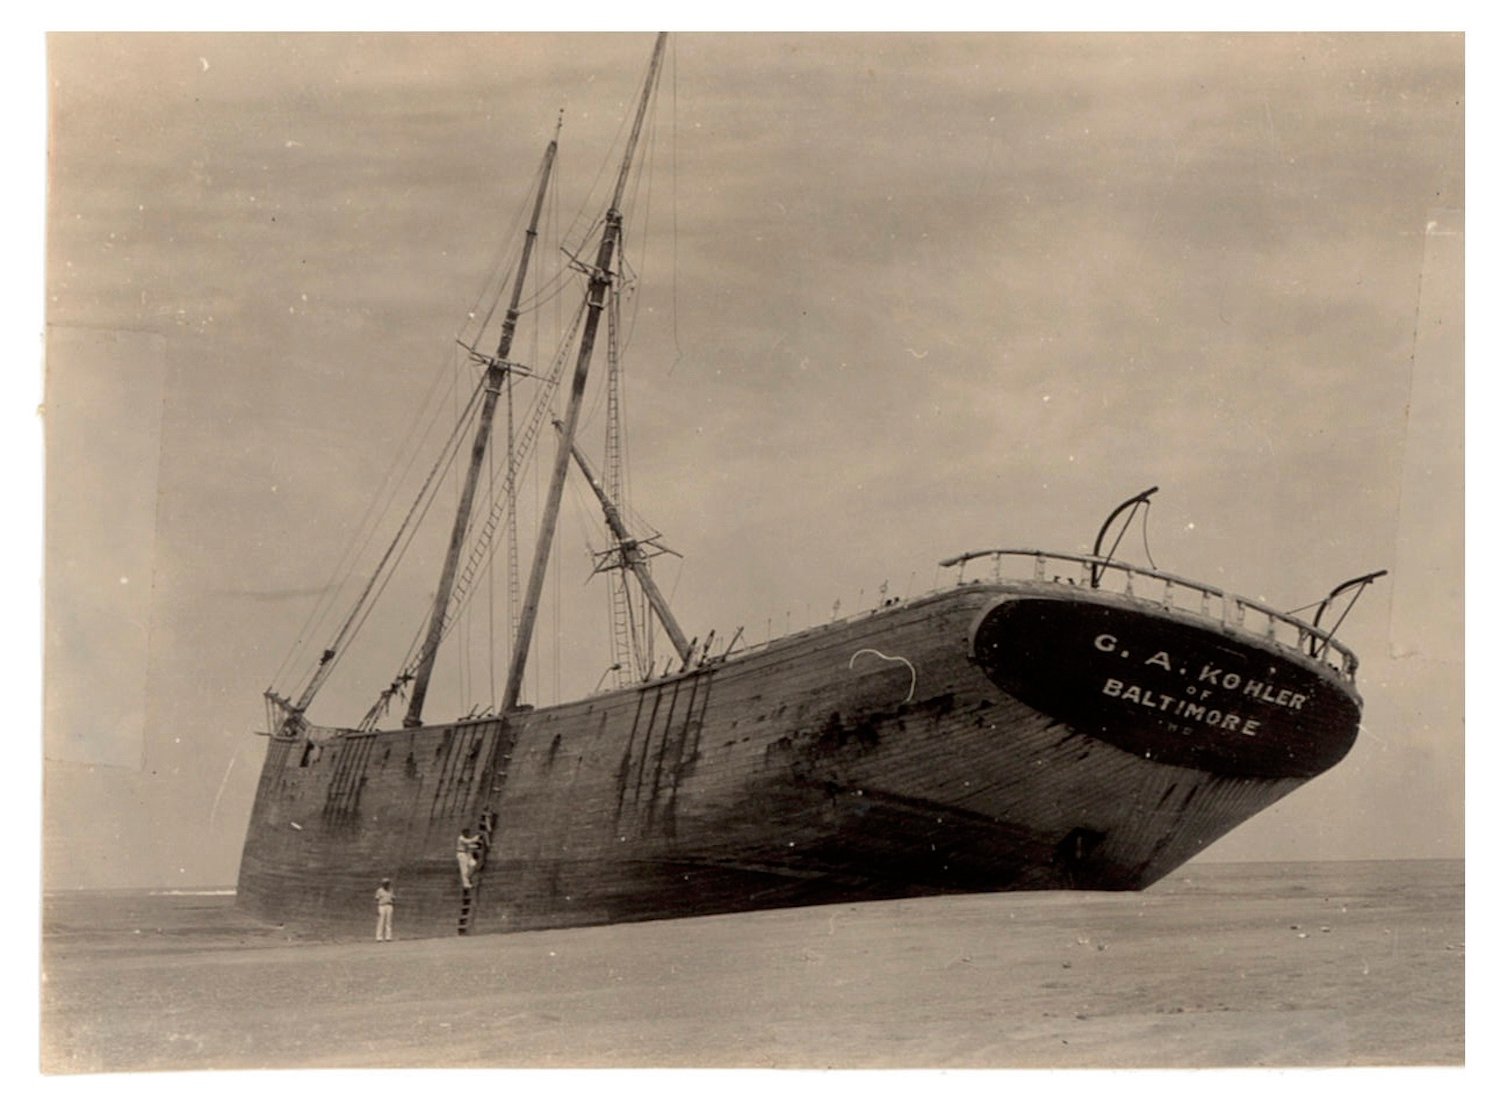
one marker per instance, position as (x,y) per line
(1130,504)
(1360,582)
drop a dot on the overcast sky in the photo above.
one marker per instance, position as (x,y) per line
(900,297)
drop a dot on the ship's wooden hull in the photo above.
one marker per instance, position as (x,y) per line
(987,738)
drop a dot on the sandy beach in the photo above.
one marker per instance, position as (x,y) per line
(1243,965)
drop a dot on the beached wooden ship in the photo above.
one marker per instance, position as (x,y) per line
(1046,721)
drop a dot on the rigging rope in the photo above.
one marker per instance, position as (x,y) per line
(481,548)
(404,534)
(644,182)
(676,338)
(502,270)
(502,502)
(498,279)
(379,503)
(405,456)
(1145,535)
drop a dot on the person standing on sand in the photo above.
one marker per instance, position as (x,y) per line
(385,909)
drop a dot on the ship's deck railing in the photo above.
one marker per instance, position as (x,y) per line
(1168,591)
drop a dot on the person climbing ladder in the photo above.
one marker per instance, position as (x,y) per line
(464,852)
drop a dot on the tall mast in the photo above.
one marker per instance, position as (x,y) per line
(600,278)
(494,378)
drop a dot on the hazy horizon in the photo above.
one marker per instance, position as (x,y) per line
(229,888)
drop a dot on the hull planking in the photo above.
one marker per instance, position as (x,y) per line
(990,737)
